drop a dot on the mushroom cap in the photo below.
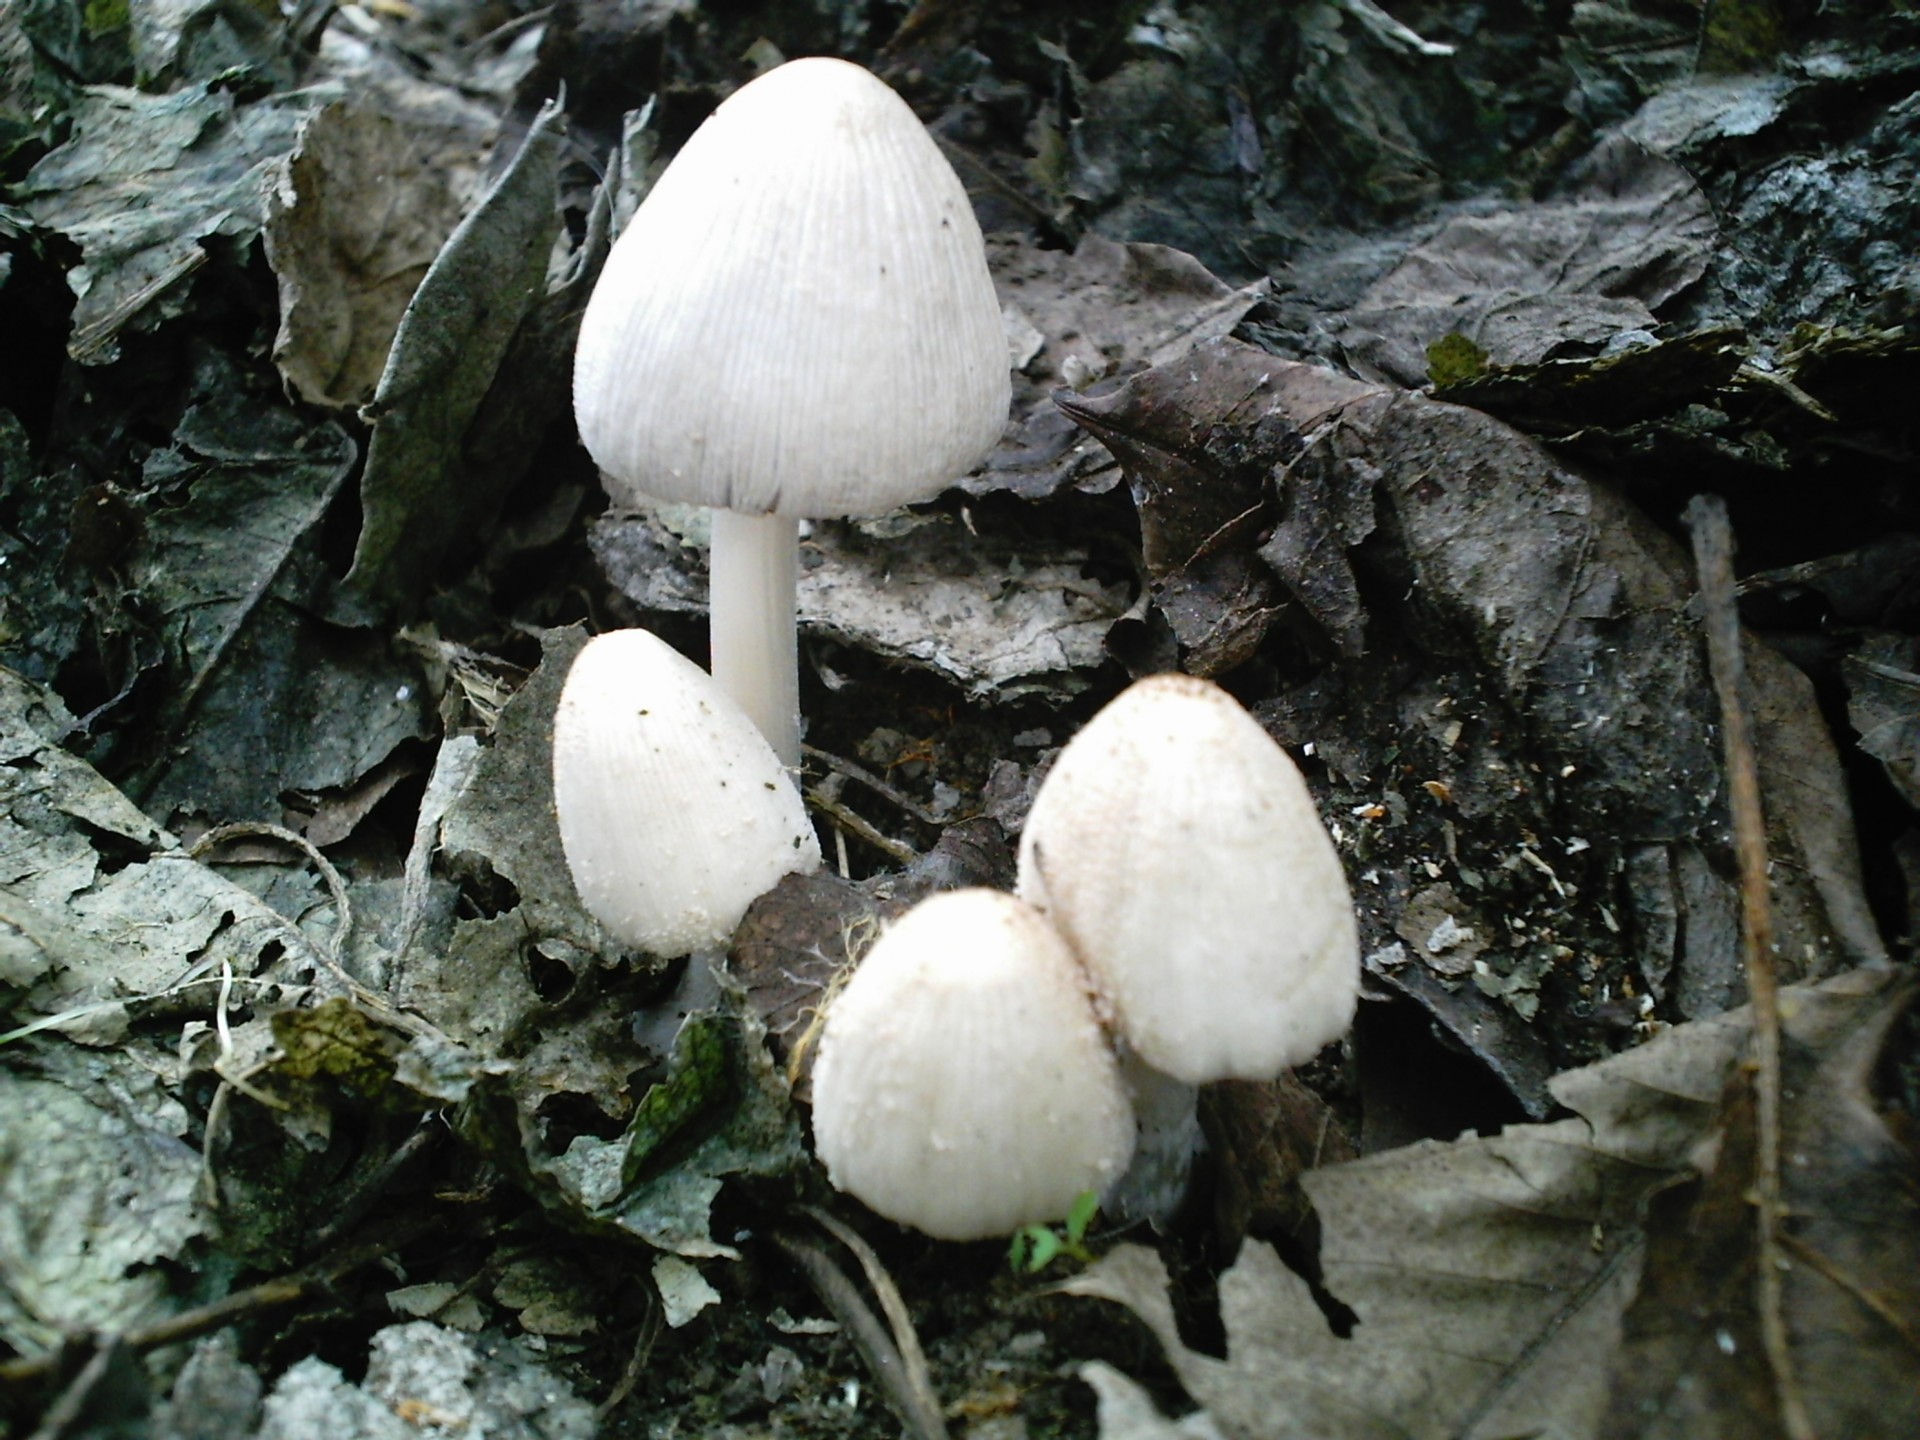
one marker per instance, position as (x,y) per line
(674,814)
(798,318)
(963,1084)
(1176,847)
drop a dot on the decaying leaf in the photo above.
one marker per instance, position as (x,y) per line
(1110,307)
(726,1112)
(364,204)
(423,1376)
(101,915)
(227,561)
(502,816)
(1568,275)
(1526,633)
(997,615)
(1104,310)
(1883,702)
(145,184)
(97,1193)
(1488,1278)
(416,497)
(1693,1362)
(998,622)
(688,1080)
(1262,1137)
(104,922)
(1200,440)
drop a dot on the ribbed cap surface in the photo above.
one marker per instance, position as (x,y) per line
(799,316)
(1176,847)
(964,1086)
(674,813)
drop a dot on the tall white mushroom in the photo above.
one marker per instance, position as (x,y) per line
(798,321)
(674,812)
(1176,847)
(963,1084)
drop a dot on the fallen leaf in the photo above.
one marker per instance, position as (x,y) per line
(363,206)
(1489,1278)
(1693,1362)
(445,357)
(989,609)
(227,566)
(141,186)
(422,1377)
(1627,231)
(1105,310)
(97,1194)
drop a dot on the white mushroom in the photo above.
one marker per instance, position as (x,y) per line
(963,1084)
(1178,850)
(674,812)
(798,321)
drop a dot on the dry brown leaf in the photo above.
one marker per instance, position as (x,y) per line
(353,221)
(1489,1276)
(1693,1364)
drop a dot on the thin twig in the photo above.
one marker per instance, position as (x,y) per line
(1713,557)
(64,1415)
(885,844)
(336,950)
(916,1406)
(1872,1300)
(355,1208)
(216,1121)
(892,1304)
(217,1315)
(891,793)
(636,1362)
(333,956)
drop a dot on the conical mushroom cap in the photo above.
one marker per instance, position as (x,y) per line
(674,814)
(799,316)
(963,1084)
(1176,847)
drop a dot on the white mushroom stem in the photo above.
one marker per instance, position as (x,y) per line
(754,575)
(1166,1115)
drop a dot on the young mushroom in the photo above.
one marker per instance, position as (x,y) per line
(797,322)
(674,813)
(1178,850)
(963,1085)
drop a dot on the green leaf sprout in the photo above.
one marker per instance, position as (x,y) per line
(1035,1247)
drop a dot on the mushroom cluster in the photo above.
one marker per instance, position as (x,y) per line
(798,321)
(1175,859)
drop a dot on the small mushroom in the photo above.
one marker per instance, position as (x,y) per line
(963,1084)
(674,812)
(798,321)
(1177,849)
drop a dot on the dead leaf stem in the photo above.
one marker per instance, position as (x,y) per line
(1713,558)
(895,1360)
(901,854)
(899,798)
(636,1365)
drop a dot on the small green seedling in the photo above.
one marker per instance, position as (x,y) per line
(1035,1247)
